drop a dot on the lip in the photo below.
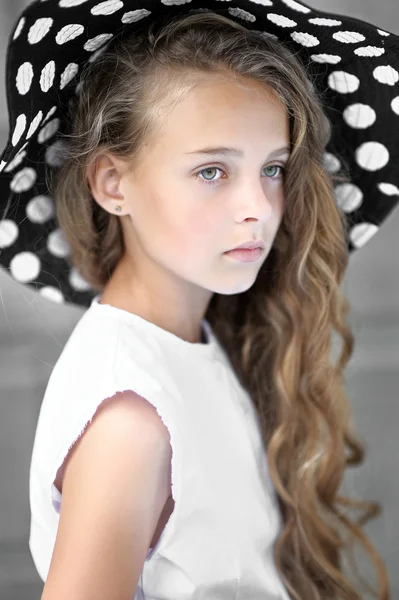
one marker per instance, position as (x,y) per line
(249,246)
(244,255)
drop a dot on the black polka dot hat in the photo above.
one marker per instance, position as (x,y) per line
(355,65)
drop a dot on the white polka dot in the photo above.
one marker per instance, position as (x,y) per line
(107,8)
(388,188)
(35,124)
(40,209)
(343,82)
(39,29)
(49,114)
(382,32)
(362,233)
(68,33)
(96,42)
(331,162)
(359,116)
(25,267)
(263,2)
(56,153)
(18,158)
(23,180)
(135,15)
(324,22)
(8,233)
(349,197)
(48,130)
(47,76)
(2,165)
(68,74)
(305,38)
(326,58)
(369,51)
(236,12)
(57,244)
(52,293)
(348,37)
(70,3)
(96,54)
(24,78)
(295,6)
(372,156)
(265,34)
(77,281)
(19,28)
(23,147)
(281,21)
(395,105)
(386,74)
(20,126)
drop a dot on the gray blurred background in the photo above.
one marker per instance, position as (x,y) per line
(34,330)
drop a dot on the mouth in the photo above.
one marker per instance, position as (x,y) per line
(245,254)
(249,246)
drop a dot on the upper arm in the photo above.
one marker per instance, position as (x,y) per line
(115,484)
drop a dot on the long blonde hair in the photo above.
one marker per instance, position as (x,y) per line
(278,333)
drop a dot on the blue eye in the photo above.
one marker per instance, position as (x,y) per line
(216,181)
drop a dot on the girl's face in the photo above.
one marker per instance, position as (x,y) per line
(182,209)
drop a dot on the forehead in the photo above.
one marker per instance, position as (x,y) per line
(221,113)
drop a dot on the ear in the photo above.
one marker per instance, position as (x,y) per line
(104,176)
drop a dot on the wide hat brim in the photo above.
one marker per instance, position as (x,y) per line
(354,64)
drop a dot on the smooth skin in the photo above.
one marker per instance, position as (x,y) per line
(115,485)
(116,478)
(177,223)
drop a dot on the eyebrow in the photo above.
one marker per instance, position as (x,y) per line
(237,152)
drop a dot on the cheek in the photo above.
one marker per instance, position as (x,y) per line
(193,231)
(202,225)
(191,239)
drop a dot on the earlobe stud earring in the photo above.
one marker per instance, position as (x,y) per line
(118,208)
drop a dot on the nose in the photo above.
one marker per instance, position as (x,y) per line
(255,201)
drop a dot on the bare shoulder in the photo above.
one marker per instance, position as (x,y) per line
(133,407)
(115,483)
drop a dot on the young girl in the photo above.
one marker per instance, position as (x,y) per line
(191,440)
